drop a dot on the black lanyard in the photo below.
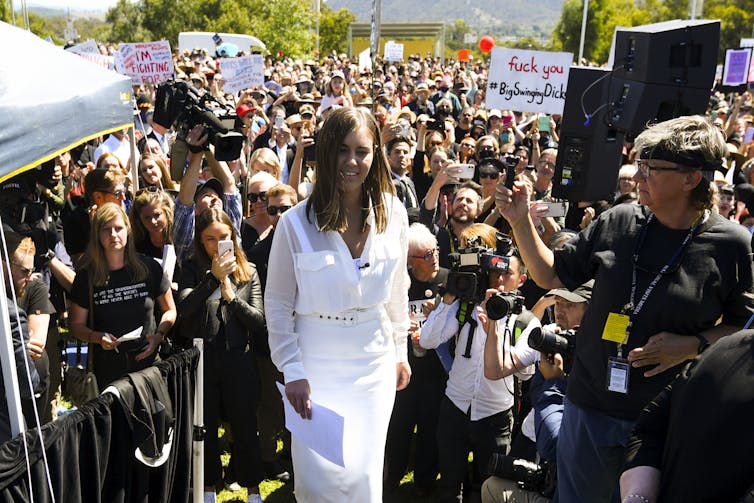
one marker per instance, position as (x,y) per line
(632,309)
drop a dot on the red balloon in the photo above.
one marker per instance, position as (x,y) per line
(486,43)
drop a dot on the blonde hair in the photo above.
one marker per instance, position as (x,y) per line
(99,272)
(165,180)
(267,158)
(145,198)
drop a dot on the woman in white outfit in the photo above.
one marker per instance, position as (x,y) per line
(336,303)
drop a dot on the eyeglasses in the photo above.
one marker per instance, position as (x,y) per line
(467,145)
(24,270)
(428,255)
(119,194)
(645,170)
(548,164)
(486,148)
(256,196)
(277,210)
(494,175)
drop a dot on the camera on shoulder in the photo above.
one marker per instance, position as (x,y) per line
(469,275)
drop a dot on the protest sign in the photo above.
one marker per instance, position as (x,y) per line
(393,51)
(242,73)
(736,69)
(365,61)
(528,81)
(145,62)
(747,42)
(90,47)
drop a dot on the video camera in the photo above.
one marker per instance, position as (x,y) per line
(176,102)
(469,275)
(529,476)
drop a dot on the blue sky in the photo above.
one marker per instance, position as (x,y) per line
(100,5)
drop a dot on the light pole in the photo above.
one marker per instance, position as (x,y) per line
(583,31)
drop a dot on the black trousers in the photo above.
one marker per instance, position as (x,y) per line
(457,434)
(417,407)
(230,391)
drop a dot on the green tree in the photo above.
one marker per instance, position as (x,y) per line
(5,10)
(454,34)
(333,29)
(735,24)
(126,23)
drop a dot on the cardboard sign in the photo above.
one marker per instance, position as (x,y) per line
(393,51)
(88,47)
(528,81)
(242,73)
(145,62)
(736,69)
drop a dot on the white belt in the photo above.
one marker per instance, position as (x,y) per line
(350,316)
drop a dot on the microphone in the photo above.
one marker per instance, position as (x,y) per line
(366,264)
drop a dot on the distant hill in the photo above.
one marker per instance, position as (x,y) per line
(48,12)
(495,17)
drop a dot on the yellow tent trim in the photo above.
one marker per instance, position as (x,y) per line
(46,158)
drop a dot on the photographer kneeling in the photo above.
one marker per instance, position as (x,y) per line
(519,480)
(481,300)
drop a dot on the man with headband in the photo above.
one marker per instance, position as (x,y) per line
(671,278)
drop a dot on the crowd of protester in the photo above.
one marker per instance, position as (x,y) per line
(133,267)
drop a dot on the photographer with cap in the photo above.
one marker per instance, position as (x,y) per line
(671,277)
(220,192)
(476,411)
(538,438)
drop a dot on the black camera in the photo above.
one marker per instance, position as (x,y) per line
(504,304)
(178,103)
(469,274)
(550,343)
(530,476)
(436,125)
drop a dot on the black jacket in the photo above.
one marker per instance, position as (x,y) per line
(242,319)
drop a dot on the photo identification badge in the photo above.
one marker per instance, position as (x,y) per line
(618,370)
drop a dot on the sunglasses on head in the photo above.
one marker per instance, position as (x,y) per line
(148,188)
(275,210)
(257,196)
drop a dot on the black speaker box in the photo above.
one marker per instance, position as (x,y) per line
(679,52)
(589,151)
(634,104)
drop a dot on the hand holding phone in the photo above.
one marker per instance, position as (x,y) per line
(225,246)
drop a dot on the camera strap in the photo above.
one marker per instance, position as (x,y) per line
(464,317)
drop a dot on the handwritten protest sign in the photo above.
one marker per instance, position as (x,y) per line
(528,81)
(145,62)
(90,51)
(242,73)
(736,69)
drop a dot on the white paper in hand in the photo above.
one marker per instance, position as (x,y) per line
(323,433)
(131,336)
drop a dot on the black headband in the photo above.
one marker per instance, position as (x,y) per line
(693,159)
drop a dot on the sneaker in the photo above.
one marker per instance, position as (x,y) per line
(275,471)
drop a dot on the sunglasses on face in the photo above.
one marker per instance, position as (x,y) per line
(275,210)
(119,194)
(494,175)
(24,270)
(257,196)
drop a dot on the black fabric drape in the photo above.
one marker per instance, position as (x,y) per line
(90,451)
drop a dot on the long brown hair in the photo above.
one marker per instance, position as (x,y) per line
(99,272)
(243,272)
(326,200)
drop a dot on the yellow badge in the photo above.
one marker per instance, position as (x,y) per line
(616,328)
